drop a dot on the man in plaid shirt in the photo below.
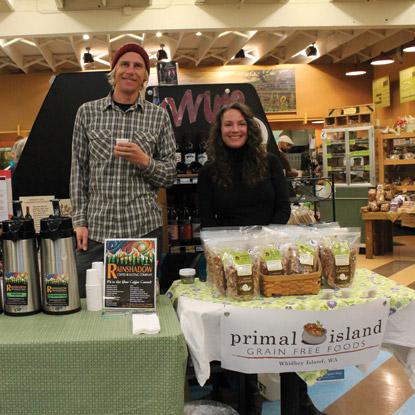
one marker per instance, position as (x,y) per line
(123,151)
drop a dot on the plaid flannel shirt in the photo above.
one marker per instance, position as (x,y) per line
(111,196)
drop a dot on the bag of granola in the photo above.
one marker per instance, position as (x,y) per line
(242,277)
(338,254)
(215,241)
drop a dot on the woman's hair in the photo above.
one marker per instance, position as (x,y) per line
(17,148)
(255,166)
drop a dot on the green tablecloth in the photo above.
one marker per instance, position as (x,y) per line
(85,363)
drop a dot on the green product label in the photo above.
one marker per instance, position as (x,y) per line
(306,253)
(351,142)
(366,168)
(16,284)
(360,153)
(273,259)
(341,252)
(241,258)
(329,142)
(329,156)
(57,293)
(329,168)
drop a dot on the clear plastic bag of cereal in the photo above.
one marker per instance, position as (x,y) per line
(338,254)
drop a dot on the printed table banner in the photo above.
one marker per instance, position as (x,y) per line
(268,341)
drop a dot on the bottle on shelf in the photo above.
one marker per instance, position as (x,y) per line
(173,227)
(202,155)
(195,223)
(185,225)
(181,167)
(189,151)
(28,215)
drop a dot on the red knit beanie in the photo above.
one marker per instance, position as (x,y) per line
(131,47)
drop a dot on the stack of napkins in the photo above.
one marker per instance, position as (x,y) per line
(146,323)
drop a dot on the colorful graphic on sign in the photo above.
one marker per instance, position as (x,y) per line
(130,272)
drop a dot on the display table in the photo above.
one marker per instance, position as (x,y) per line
(85,363)
(199,309)
(378,227)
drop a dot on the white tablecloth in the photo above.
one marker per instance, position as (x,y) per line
(200,323)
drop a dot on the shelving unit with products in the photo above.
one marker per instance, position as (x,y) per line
(349,155)
(352,116)
(397,159)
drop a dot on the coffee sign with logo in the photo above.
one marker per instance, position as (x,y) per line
(130,273)
(267,341)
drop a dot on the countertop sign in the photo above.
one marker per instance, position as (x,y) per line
(267,341)
(130,274)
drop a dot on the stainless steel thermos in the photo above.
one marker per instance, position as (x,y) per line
(60,292)
(21,283)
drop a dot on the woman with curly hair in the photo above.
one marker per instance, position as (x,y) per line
(241,184)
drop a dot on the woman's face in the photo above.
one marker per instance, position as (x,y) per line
(234,129)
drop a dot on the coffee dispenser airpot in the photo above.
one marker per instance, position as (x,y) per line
(60,293)
(21,284)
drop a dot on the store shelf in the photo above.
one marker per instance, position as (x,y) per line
(391,162)
(185,249)
(397,136)
(408,188)
(186,179)
(386,146)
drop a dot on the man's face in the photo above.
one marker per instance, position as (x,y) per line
(285,147)
(130,73)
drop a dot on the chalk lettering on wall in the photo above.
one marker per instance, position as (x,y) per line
(192,106)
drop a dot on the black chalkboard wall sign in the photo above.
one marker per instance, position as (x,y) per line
(45,165)
(192,108)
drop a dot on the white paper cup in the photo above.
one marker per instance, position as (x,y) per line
(93,277)
(94,297)
(99,265)
(121,140)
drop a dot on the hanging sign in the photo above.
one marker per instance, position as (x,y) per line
(407,84)
(130,273)
(381,92)
(273,341)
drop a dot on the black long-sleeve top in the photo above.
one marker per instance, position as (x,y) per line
(243,205)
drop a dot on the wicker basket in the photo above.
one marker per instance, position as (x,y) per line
(294,284)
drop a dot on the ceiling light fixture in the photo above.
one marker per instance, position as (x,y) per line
(409,47)
(86,36)
(162,54)
(311,50)
(382,59)
(88,58)
(159,34)
(198,33)
(317,122)
(356,72)
(240,54)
